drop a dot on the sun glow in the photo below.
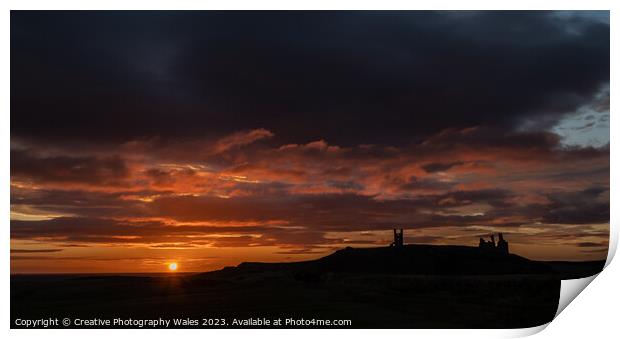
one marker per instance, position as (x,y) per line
(173,266)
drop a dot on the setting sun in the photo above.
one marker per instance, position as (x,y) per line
(173,266)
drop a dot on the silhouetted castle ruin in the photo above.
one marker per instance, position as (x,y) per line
(501,247)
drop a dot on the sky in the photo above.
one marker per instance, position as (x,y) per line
(139,139)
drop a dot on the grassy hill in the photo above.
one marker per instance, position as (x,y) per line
(417,286)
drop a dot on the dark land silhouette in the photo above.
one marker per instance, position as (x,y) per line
(401,286)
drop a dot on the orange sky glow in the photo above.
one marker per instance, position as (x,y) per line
(295,202)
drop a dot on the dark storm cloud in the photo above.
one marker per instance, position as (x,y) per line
(79,202)
(493,197)
(581,207)
(101,230)
(348,77)
(414,183)
(50,250)
(95,230)
(300,220)
(439,166)
(592,244)
(347,211)
(163,177)
(345,185)
(67,169)
(336,212)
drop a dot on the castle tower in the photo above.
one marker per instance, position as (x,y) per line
(502,245)
(398,238)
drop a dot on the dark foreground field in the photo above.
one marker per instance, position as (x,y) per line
(375,297)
